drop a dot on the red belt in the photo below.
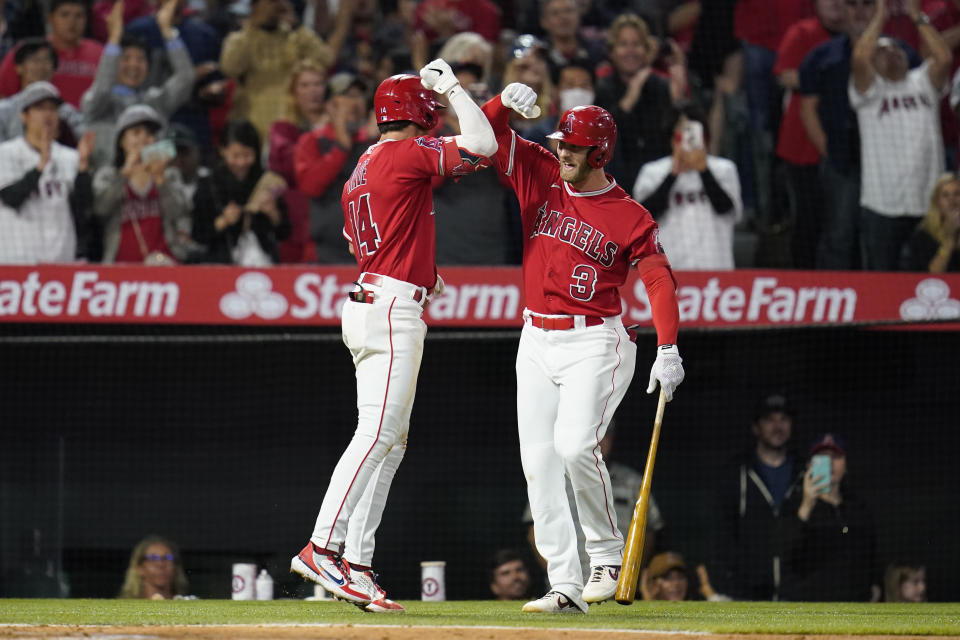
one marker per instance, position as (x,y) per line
(562,323)
(377,281)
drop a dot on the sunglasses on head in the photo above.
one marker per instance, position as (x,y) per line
(158,557)
(861,3)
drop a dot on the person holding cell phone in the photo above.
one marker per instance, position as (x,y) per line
(140,198)
(828,537)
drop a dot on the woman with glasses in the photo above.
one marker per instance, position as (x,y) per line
(155,571)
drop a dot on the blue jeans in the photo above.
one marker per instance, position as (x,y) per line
(758,79)
(839,246)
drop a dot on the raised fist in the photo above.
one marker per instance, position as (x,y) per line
(520,98)
(438,75)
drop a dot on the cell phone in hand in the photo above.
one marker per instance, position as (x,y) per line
(159,150)
(691,136)
(820,466)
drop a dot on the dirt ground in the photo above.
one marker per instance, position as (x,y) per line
(371,632)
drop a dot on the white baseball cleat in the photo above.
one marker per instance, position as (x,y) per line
(379,602)
(602,584)
(330,572)
(556,602)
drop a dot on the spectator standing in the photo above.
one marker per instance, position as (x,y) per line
(935,243)
(509,576)
(306,111)
(203,45)
(324,158)
(750,496)
(471,218)
(45,188)
(898,112)
(831,126)
(560,20)
(800,158)
(260,57)
(828,537)
(78,56)
(694,197)
(139,197)
(37,60)
(239,213)
(760,26)
(637,98)
(122,75)
(155,571)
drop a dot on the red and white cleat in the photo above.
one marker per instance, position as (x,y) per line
(366,579)
(329,571)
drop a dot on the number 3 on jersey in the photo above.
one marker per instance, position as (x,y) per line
(584,282)
(366,234)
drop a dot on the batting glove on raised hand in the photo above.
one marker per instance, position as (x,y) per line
(438,76)
(667,370)
(520,98)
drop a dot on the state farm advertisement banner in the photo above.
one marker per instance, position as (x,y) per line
(475,296)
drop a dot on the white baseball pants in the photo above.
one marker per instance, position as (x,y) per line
(385,338)
(569,383)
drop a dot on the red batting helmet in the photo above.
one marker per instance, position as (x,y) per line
(402,97)
(589,126)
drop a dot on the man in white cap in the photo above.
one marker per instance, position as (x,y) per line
(45,189)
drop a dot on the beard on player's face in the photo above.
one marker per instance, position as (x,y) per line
(573,162)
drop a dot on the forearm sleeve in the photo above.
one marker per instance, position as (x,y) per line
(16,194)
(719,199)
(658,202)
(476,134)
(661,290)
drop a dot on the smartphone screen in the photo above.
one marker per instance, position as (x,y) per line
(164,149)
(692,136)
(820,466)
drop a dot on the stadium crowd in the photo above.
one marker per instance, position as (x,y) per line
(195,131)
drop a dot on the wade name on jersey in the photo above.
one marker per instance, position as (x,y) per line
(359,176)
(576,233)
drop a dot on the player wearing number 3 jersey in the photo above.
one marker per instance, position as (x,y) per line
(388,216)
(581,235)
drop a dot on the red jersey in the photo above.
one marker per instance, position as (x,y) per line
(577,246)
(388,206)
(73,76)
(763,22)
(793,144)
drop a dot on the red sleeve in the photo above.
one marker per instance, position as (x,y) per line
(9,79)
(661,287)
(282,143)
(528,168)
(317,162)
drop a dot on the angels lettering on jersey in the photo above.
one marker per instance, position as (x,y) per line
(576,233)
(907,103)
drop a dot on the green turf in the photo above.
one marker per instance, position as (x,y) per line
(731,617)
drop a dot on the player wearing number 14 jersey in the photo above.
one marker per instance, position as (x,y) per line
(388,215)
(581,235)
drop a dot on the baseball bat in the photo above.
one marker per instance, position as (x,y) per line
(633,551)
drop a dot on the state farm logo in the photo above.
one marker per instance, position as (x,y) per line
(254,296)
(933,302)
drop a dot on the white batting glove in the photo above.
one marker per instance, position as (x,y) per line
(666,370)
(438,76)
(520,98)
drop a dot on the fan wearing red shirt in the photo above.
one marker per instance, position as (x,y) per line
(801,158)
(388,214)
(78,56)
(581,235)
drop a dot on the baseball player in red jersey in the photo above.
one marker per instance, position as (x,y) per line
(581,235)
(388,219)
